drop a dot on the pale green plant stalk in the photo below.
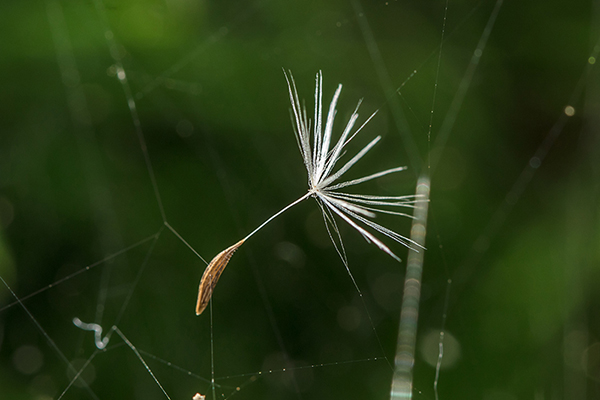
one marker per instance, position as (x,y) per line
(409,312)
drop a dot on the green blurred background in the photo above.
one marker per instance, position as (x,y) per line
(207,80)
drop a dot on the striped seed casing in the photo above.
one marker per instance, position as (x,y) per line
(211,276)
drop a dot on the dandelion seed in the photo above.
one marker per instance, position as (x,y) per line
(211,276)
(320,161)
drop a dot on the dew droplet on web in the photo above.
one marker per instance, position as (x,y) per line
(430,349)
(569,111)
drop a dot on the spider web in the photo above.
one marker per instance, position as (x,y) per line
(142,138)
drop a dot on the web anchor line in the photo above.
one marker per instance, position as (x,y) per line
(101,344)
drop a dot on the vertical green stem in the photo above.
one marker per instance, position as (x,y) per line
(409,313)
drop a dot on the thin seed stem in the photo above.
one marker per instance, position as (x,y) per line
(277,214)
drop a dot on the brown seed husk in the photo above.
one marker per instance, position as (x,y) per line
(211,276)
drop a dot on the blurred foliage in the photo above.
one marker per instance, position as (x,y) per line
(206,77)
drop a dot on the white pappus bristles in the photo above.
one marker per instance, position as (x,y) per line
(320,160)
